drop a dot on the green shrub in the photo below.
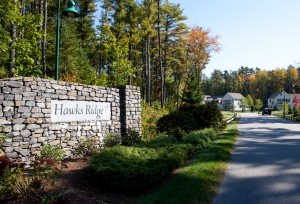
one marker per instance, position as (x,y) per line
(3,137)
(20,182)
(150,116)
(136,168)
(7,180)
(209,132)
(179,133)
(201,138)
(130,138)
(295,112)
(290,111)
(111,140)
(28,183)
(86,147)
(139,167)
(191,117)
(195,139)
(178,154)
(209,116)
(54,152)
(162,141)
(222,125)
(184,119)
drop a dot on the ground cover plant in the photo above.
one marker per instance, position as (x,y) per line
(197,182)
(132,168)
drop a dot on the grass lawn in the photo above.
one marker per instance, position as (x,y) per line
(227,114)
(277,112)
(199,180)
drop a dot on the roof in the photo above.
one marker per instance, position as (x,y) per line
(206,97)
(275,95)
(236,95)
(217,97)
(283,92)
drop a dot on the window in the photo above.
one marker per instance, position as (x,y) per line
(226,101)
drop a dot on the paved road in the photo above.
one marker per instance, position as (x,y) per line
(265,166)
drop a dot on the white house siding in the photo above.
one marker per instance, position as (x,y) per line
(277,99)
(232,99)
(237,106)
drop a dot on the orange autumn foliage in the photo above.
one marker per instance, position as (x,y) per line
(200,45)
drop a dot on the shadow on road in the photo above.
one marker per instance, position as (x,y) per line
(265,166)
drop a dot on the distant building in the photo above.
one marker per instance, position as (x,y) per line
(232,101)
(277,99)
(217,99)
(207,98)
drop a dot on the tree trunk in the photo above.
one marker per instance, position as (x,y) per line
(12,56)
(44,40)
(159,57)
(148,70)
(178,89)
(130,57)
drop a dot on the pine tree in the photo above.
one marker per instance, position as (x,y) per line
(173,31)
(74,62)
(192,94)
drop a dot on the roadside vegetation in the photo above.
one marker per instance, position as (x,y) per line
(141,164)
(227,115)
(168,162)
(289,113)
(199,179)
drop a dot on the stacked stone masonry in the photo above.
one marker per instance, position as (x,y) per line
(25,115)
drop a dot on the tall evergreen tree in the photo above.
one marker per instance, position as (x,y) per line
(193,93)
(173,31)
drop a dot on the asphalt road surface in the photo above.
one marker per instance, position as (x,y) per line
(265,166)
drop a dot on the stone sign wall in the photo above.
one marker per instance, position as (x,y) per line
(35,112)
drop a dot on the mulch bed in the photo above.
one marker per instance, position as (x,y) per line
(73,187)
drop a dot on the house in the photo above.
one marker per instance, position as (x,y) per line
(207,98)
(277,99)
(217,99)
(232,101)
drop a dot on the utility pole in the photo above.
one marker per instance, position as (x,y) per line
(283,104)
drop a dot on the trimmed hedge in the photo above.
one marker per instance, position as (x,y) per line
(137,168)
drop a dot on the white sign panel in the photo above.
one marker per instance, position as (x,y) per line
(68,111)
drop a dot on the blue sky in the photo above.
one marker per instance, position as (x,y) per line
(253,33)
